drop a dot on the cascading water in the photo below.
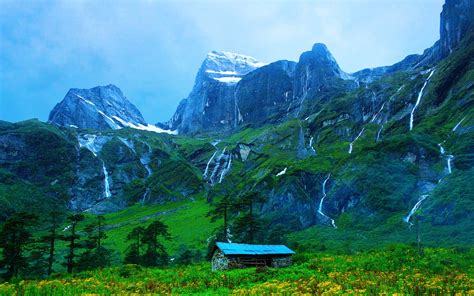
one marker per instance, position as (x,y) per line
(377,114)
(378,133)
(282,172)
(458,124)
(145,195)
(320,208)
(414,209)
(107,192)
(216,168)
(226,169)
(208,163)
(88,141)
(352,143)
(449,157)
(311,140)
(420,94)
(145,160)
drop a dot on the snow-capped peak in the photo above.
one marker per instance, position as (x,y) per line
(229,67)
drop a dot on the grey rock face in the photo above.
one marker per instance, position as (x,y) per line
(211,104)
(456,19)
(232,90)
(264,95)
(101,107)
(315,69)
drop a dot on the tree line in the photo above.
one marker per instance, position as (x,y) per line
(28,255)
(25,255)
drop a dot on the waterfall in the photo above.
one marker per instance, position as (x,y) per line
(88,141)
(378,134)
(216,168)
(448,160)
(352,143)
(107,192)
(449,157)
(208,163)
(226,169)
(320,208)
(145,195)
(281,173)
(376,114)
(414,209)
(441,149)
(420,94)
(311,140)
(458,124)
(145,160)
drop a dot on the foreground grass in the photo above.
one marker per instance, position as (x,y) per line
(390,271)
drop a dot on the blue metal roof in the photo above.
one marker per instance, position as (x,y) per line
(247,249)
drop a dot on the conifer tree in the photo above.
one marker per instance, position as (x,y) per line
(155,254)
(72,238)
(133,255)
(15,235)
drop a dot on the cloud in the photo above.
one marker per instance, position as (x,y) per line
(152,49)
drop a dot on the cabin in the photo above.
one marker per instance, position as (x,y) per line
(230,255)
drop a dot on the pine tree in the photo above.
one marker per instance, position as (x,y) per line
(50,239)
(248,225)
(72,239)
(95,254)
(15,235)
(221,209)
(133,255)
(186,256)
(155,254)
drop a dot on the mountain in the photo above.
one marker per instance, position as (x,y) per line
(100,108)
(211,103)
(457,19)
(233,90)
(309,150)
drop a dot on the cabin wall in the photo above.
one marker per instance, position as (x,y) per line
(220,261)
(281,261)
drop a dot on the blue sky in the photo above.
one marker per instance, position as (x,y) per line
(153,49)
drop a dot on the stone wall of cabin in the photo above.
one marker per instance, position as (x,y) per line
(220,261)
(281,261)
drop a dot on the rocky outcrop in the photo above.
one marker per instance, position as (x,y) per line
(232,90)
(316,70)
(211,105)
(457,18)
(101,107)
(264,95)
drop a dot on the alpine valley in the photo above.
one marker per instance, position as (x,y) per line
(321,158)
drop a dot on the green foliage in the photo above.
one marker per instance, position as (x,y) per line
(395,269)
(15,235)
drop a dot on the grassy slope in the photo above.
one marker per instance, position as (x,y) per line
(187,222)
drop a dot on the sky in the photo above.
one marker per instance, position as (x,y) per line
(152,49)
